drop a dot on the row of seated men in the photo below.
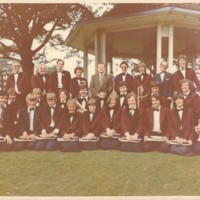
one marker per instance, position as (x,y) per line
(61,79)
(52,124)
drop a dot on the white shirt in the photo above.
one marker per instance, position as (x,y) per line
(186,94)
(156,121)
(123,77)
(102,103)
(122,100)
(16,75)
(31,117)
(60,85)
(111,113)
(44,79)
(180,113)
(52,121)
(91,116)
(183,71)
(132,111)
(71,119)
(162,76)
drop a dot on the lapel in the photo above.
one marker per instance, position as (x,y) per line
(180,74)
(177,115)
(162,115)
(27,117)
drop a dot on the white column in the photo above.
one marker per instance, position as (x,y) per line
(159,49)
(171,48)
(85,62)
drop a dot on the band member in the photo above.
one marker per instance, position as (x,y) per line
(13,110)
(41,79)
(59,79)
(71,126)
(196,146)
(165,80)
(20,81)
(29,124)
(77,81)
(141,81)
(101,80)
(92,126)
(5,134)
(110,123)
(101,98)
(156,124)
(38,93)
(192,100)
(145,101)
(181,127)
(123,77)
(62,99)
(82,98)
(122,94)
(131,124)
(51,115)
(184,72)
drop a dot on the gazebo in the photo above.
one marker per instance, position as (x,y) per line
(146,31)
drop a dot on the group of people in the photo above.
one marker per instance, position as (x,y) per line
(135,114)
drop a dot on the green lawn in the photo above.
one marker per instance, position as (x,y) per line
(98,173)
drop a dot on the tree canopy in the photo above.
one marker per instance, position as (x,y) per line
(23,25)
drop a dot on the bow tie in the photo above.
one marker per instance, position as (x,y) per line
(123,74)
(163,72)
(156,109)
(78,78)
(180,109)
(122,95)
(71,114)
(53,108)
(32,109)
(182,69)
(16,72)
(185,95)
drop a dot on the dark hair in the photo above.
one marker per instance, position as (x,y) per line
(60,60)
(78,68)
(124,63)
(156,96)
(182,56)
(154,84)
(186,81)
(177,95)
(122,83)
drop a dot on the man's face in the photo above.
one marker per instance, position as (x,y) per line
(92,107)
(182,63)
(155,102)
(101,68)
(63,96)
(123,89)
(179,102)
(71,108)
(16,67)
(113,102)
(42,69)
(131,101)
(155,90)
(12,97)
(31,103)
(124,68)
(141,69)
(60,65)
(102,95)
(51,102)
(185,87)
(79,73)
(83,92)
(163,67)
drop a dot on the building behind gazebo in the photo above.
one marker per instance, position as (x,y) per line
(148,32)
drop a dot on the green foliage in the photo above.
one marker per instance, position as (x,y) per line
(98,173)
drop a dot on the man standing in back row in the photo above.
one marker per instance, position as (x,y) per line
(101,80)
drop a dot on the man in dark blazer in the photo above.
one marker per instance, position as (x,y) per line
(40,80)
(184,72)
(123,77)
(77,81)
(20,81)
(101,80)
(142,80)
(29,124)
(165,80)
(156,124)
(59,79)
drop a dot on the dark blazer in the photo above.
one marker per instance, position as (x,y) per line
(5,123)
(193,101)
(24,121)
(23,82)
(190,75)
(149,120)
(46,117)
(74,127)
(37,82)
(95,84)
(95,126)
(112,123)
(131,124)
(128,80)
(183,128)
(145,83)
(166,87)
(99,103)
(53,81)
(74,86)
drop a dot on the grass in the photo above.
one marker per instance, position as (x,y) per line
(98,173)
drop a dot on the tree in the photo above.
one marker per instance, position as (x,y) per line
(24,25)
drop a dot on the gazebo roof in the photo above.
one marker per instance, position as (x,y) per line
(131,28)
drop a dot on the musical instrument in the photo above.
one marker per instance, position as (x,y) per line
(80,107)
(155,139)
(140,96)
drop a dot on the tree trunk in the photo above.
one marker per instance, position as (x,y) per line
(27,63)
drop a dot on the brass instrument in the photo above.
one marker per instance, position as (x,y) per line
(80,107)
(140,96)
